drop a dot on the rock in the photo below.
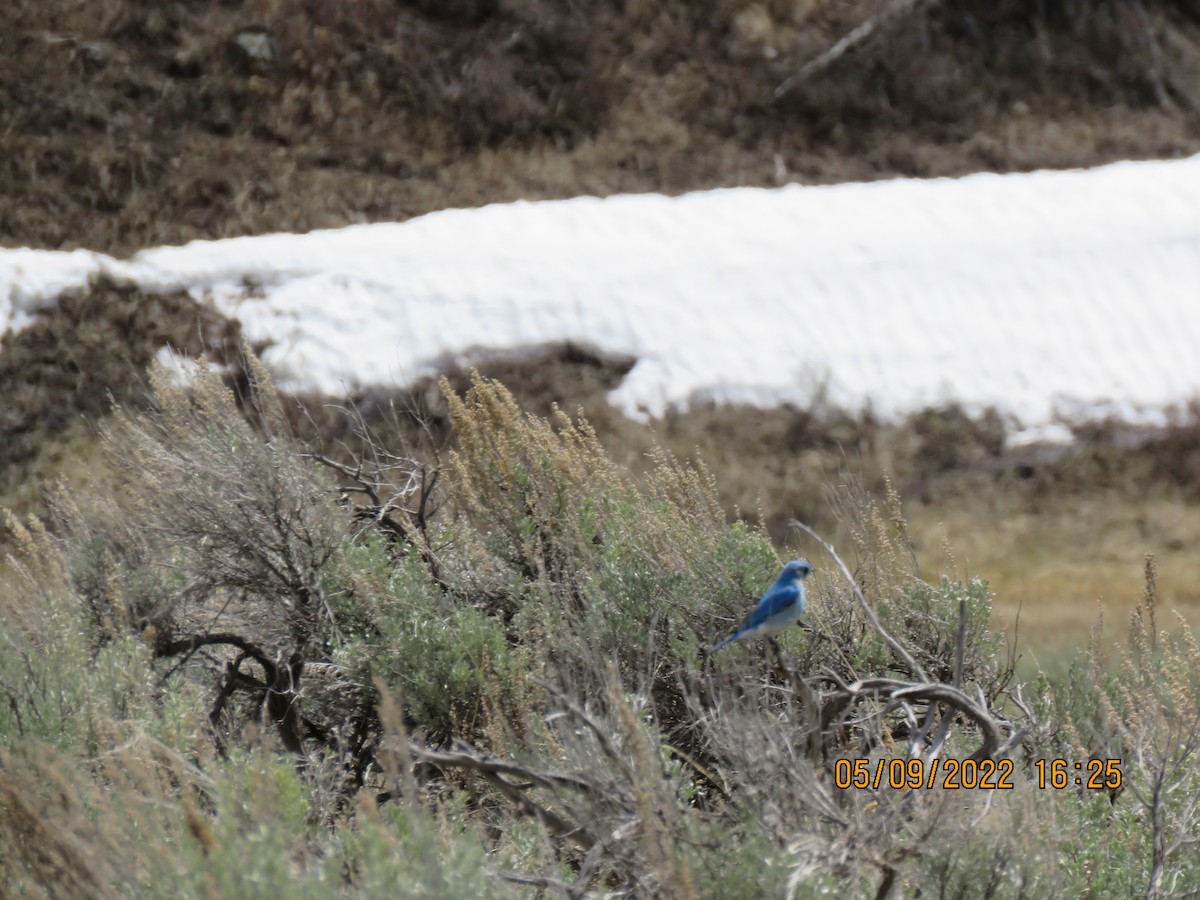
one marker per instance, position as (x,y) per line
(256,45)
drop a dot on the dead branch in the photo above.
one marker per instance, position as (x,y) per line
(602,737)
(469,758)
(497,772)
(811,707)
(279,691)
(852,41)
(901,693)
(897,648)
(194,642)
(994,741)
(544,882)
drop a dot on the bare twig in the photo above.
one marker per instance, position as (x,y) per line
(603,738)
(539,881)
(852,41)
(497,773)
(897,648)
(809,702)
(959,651)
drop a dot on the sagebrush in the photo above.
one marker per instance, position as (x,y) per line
(248,665)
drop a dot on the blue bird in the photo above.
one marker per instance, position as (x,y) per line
(780,607)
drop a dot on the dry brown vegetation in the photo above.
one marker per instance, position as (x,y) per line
(245,667)
(1055,530)
(449,638)
(61,375)
(126,123)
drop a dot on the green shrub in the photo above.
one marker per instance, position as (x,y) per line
(449,659)
(230,676)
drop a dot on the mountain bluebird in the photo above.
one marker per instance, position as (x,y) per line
(781,606)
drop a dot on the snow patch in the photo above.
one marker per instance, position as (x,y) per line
(1047,295)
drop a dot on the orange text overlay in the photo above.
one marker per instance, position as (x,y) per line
(969,774)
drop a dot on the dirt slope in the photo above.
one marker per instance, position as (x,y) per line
(132,122)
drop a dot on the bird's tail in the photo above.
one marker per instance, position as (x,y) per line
(729,640)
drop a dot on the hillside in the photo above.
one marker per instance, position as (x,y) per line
(454,642)
(126,124)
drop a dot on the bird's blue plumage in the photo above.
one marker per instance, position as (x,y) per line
(780,607)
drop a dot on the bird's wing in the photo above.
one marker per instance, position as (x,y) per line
(773,601)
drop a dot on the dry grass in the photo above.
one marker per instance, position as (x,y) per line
(1054,533)
(61,375)
(507,688)
(161,127)
(1050,569)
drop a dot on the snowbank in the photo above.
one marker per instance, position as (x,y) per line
(1041,294)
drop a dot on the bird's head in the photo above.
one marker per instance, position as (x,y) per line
(798,569)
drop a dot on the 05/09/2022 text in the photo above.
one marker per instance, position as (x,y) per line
(969,774)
